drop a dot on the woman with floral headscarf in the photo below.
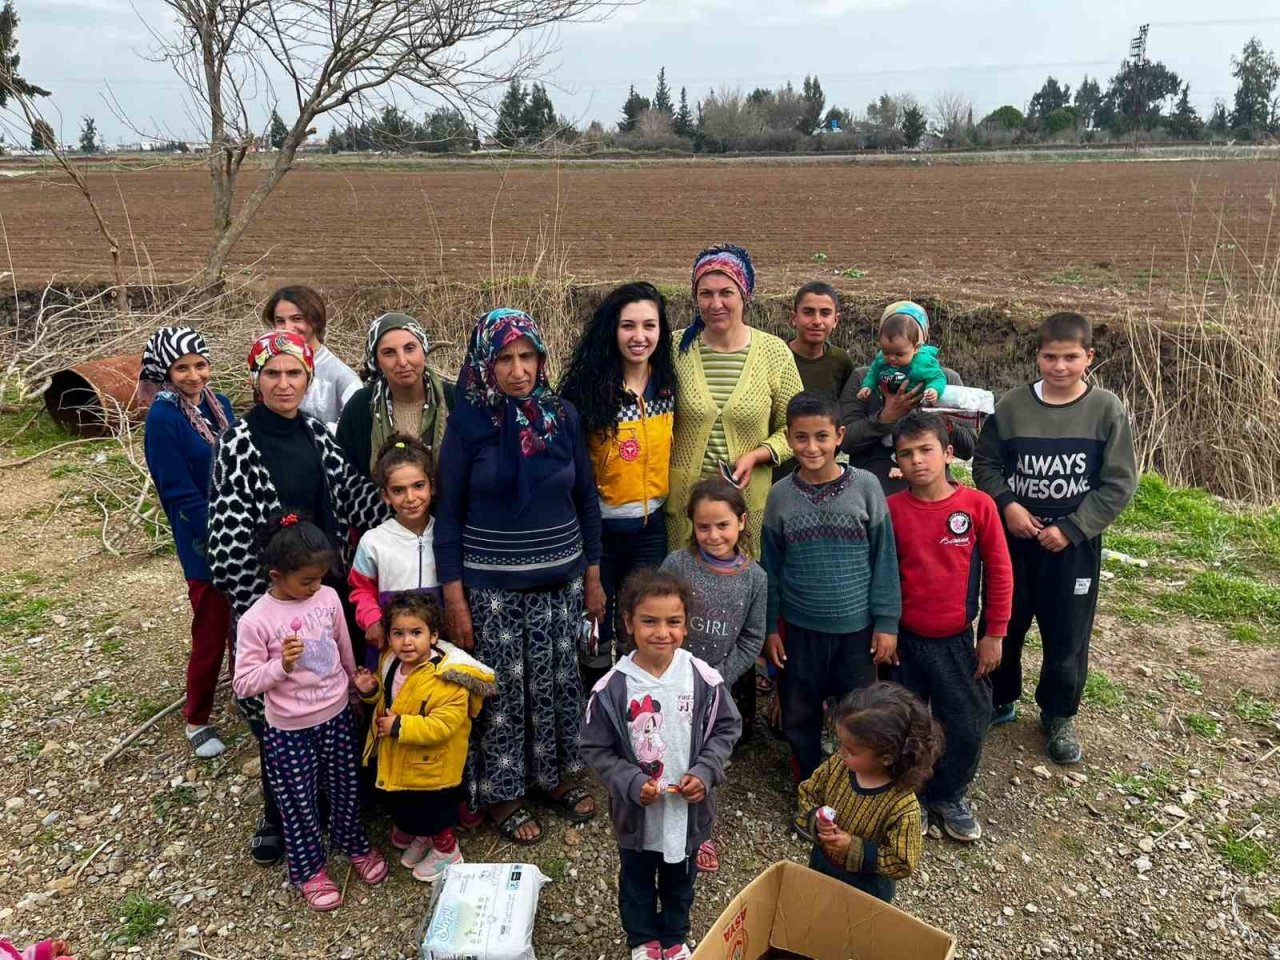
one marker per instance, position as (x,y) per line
(403,394)
(278,460)
(518,553)
(184,422)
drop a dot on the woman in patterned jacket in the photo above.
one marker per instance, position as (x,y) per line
(518,554)
(278,459)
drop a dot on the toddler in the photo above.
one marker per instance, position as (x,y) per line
(905,360)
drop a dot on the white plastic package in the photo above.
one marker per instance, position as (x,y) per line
(484,911)
(973,399)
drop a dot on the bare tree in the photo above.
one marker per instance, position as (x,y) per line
(338,55)
(951,112)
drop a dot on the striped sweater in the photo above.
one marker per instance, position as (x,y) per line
(885,819)
(830,556)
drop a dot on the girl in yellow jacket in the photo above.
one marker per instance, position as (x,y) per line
(425,695)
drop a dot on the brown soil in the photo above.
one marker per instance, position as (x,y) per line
(972,231)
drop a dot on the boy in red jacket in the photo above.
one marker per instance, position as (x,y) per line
(951,546)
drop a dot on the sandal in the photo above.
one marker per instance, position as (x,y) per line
(267,845)
(566,805)
(321,893)
(513,821)
(707,859)
(371,867)
(764,686)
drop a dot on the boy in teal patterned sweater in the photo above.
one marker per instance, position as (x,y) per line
(833,577)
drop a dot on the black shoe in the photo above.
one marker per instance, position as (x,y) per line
(1061,742)
(267,845)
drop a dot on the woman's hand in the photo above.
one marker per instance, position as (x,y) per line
(457,616)
(898,403)
(594,599)
(748,462)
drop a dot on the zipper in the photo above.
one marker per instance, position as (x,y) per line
(419,563)
(644,467)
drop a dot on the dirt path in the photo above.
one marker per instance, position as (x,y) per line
(1123,858)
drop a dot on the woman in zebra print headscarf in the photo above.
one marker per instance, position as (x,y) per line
(183,425)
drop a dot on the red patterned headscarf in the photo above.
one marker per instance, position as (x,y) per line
(274,344)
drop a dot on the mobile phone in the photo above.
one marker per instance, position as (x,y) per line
(726,471)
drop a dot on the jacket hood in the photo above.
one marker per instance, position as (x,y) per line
(395,528)
(457,666)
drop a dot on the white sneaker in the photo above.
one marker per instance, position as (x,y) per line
(414,853)
(434,863)
(205,742)
(679,952)
(647,951)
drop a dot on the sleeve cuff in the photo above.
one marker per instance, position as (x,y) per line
(1004,499)
(998,628)
(395,728)
(1073,532)
(885,625)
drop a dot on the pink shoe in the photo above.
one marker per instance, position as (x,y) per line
(432,866)
(321,893)
(679,952)
(401,840)
(413,854)
(371,866)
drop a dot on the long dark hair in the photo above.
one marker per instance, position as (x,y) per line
(894,723)
(592,382)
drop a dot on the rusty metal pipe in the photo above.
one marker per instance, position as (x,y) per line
(90,398)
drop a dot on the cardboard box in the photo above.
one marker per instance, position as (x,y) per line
(797,910)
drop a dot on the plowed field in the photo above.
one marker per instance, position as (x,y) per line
(996,230)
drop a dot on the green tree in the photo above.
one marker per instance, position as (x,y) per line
(11,83)
(1136,97)
(1050,97)
(837,118)
(509,126)
(1217,125)
(683,125)
(814,100)
(1063,118)
(42,136)
(1088,97)
(1007,117)
(89,136)
(1257,73)
(277,131)
(913,125)
(1184,122)
(539,118)
(631,110)
(662,96)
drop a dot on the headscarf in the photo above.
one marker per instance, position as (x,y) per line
(912,310)
(165,347)
(380,404)
(724,258)
(277,343)
(527,426)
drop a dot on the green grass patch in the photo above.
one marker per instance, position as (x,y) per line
(1247,855)
(100,699)
(146,708)
(557,868)
(1252,708)
(851,273)
(1101,691)
(1188,681)
(1225,598)
(39,431)
(1136,613)
(1070,277)
(139,916)
(19,609)
(1203,725)
(1148,784)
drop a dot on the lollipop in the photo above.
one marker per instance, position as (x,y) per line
(295,625)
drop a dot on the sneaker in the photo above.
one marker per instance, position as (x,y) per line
(1004,713)
(1061,742)
(957,819)
(647,951)
(415,852)
(204,741)
(433,864)
(401,840)
(678,952)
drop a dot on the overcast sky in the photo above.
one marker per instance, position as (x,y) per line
(994,51)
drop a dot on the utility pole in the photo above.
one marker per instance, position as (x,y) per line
(1138,57)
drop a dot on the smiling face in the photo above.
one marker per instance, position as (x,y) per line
(638,332)
(1063,363)
(401,358)
(898,351)
(282,384)
(657,624)
(720,302)
(407,491)
(289,318)
(190,374)
(814,440)
(716,528)
(814,318)
(411,639)
(515,368)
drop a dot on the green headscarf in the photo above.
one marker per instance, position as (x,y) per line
(384,425)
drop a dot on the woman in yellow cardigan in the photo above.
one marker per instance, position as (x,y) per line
(733,384)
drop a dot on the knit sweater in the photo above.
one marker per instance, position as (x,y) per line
(355,426)
(885,819)
(949,552)
(483,539)
(830,556)
(755,415)
(726,620)
(1071,464)
(331,387)
(181,464)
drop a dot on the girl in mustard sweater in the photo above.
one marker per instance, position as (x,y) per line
(425,695)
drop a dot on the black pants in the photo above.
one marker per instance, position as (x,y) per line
(1060,591)
(819,665)
(270,812)
(939,670)
(876,884)
(644,882)
(623,553)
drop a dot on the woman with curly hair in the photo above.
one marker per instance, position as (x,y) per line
(622,380)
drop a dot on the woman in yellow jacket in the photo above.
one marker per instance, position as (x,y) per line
(733,384)
(621,380)
(425,695)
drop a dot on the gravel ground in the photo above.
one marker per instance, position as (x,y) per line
(1122,857)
